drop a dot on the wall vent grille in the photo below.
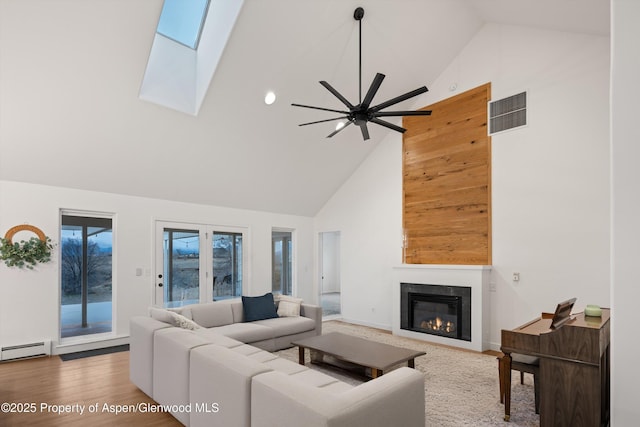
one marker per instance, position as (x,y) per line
(508,113)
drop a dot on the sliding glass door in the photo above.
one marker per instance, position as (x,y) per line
(86,246)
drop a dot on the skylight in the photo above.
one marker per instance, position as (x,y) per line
(185,52)
(182,21)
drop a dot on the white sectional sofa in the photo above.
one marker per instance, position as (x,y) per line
(224,374)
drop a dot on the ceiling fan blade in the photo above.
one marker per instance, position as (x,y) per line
(321,108)
(337,94)
(322,121)
(338,130)
(388,125)
(400,98)
(401,113)
(364,130)
(373,89)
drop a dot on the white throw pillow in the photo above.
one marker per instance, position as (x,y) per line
(182,322)
(161,314)
(172,318)
(183,311)
(289,306)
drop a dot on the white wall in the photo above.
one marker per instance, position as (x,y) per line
(29,300)
(366,211)
(550,182)
(625,135)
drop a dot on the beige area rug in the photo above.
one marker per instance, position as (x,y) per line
(461,387)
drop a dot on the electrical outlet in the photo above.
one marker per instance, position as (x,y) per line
(492,287)
(516,277)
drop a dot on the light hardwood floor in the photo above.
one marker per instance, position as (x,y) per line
(50,381)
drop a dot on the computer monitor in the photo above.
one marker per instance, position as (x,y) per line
(562,313)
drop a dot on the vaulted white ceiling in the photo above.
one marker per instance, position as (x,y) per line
(70,75)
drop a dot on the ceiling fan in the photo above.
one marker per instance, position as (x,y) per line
(363,113)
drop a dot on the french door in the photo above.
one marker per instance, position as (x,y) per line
(198,263)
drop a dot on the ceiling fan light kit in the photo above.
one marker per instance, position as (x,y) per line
(363,112)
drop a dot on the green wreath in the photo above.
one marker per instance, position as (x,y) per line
(26,253)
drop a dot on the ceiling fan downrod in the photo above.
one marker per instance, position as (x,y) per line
(358,14)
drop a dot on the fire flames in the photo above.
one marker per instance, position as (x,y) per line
(439,325)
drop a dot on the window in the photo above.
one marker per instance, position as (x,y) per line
(182,21)
(86,272)
(281,262)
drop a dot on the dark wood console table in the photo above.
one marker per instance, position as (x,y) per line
(574,368)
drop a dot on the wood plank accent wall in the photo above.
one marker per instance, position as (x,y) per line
(446,198)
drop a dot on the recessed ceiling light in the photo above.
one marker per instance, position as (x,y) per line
(270,98)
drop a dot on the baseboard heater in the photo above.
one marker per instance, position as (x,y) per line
(23,351)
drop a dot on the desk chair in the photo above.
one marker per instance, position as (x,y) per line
(522,363)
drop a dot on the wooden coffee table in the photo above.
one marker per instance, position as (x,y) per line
(357,351)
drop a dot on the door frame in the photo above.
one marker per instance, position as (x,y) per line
(114,277)
(322,262)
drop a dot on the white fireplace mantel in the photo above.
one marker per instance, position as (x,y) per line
(476,277)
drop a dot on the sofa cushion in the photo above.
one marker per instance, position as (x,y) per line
(289,306)
(285,366)
(142,330)
(262,356)
(209,315)
(288,325)
(397,395)
(236,308)
(246,350)
(314,378)
(259,308)
(214,337)
(337,387)
(222,376)
(171,349)
(246,332)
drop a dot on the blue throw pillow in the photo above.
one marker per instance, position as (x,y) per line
(259,308)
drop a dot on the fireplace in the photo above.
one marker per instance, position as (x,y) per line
(476,315)
(436,310)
